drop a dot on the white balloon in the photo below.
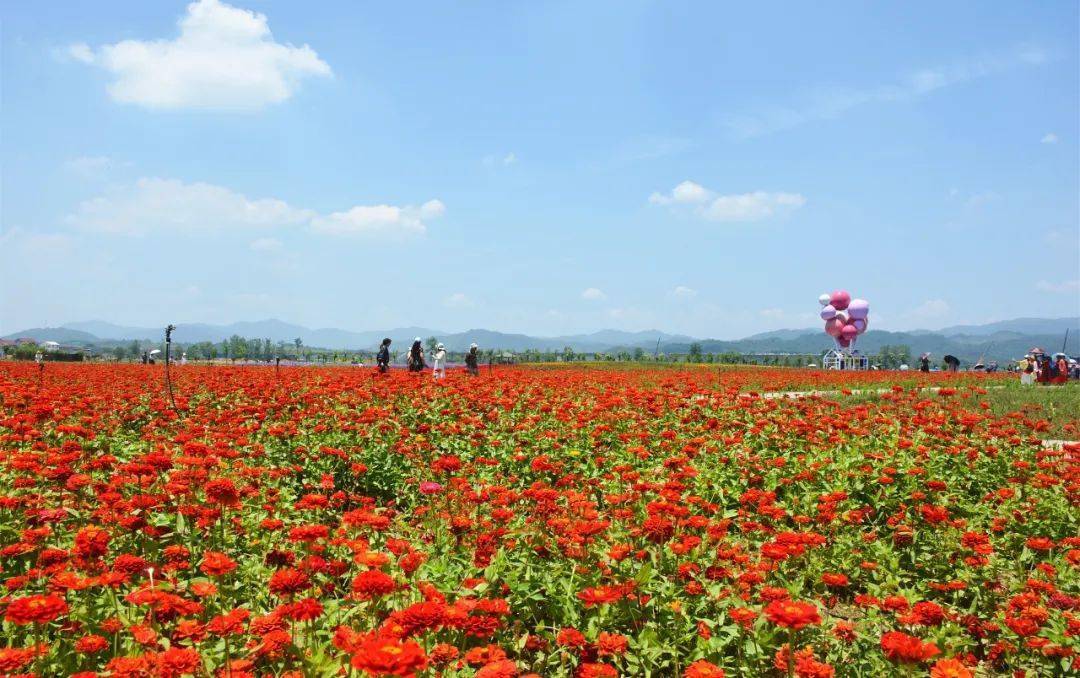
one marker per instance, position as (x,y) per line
(824,299)
(843,316)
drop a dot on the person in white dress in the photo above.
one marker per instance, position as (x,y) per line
(439,362)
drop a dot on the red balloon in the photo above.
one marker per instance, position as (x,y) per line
(844,343)
(840,300)
(849,332)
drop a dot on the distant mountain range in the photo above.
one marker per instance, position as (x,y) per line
(1001,340)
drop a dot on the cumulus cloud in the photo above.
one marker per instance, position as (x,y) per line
(153,204)
(709,205)
(223,58)
(1063,287)
(931,309)
(168,204)
(379,220)
(593,294)
(1050,138)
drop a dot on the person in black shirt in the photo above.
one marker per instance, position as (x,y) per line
(382,358)
(416,356)
(472,361)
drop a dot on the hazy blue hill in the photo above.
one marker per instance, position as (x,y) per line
(1024,326)
(1001,340)
(62,335)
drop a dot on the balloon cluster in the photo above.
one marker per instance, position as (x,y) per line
(845,318)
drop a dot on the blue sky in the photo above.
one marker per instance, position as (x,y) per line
(543,167)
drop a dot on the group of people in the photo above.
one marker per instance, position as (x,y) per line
(1044,369)
(414,359)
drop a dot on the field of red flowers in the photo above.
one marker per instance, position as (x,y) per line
(552,522)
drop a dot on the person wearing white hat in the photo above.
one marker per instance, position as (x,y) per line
(439,366)
(472,360)
(416,356)
(1027,370)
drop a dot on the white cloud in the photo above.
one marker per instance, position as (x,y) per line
(772,313)
(458,300)
(826,103)
(709,205)
(223,58)
(1064,287)
(153,204)
(266,245)
(931,309)
(379,220)
(683,292)
(171,205)
(593,294)
(1050,138)
(686,193)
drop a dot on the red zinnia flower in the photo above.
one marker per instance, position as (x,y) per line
(91,644)
(703,669)
(216,564)
(611,644)
(389,657)
(949,668)
(372,584)
(570,637)
(35,609)
(792,614)
(177,661)
(288,581)
(222,491)
(900,647)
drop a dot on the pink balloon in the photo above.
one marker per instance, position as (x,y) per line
(834,327)
(828,313)
(859,324)
(858,309)
(849,332)
(840,300)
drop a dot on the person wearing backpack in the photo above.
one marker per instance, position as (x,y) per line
(416,356)
(382,358)
(472,362)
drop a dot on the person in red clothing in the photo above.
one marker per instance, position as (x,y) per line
(1061,376)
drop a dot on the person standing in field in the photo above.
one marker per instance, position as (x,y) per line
(924,363)
(1027,370)
(439,359)
(472,360)
(382,358)
(416,356)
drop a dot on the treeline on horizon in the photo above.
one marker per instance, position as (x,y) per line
(242,349)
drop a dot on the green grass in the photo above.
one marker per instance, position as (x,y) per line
(1060,405)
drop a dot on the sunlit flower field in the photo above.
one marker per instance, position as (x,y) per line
(547,521)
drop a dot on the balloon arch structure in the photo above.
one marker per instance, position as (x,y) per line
(845,319)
